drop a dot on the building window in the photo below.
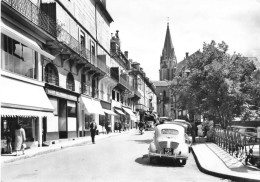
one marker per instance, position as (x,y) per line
(70,82)
(83,44)
(93,52)
(113,95)
(18,58)
(51,74)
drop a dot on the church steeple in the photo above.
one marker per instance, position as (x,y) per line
(168,59)
(168,50)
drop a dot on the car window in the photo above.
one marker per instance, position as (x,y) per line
(170,131)
(250,130)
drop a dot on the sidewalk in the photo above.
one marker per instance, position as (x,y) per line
(213,160)
(6,158)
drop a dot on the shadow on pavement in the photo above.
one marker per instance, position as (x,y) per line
(159,163)
(143,141)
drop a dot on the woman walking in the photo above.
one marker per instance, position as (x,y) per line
(19,139)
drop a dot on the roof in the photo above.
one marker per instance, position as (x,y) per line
(164,83)
(168,50)
(170,126)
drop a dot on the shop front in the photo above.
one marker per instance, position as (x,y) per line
(23,101)
(64,122)
(131,118)
(107,119)
(91,109)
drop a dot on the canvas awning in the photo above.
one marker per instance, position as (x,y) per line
(119,111)
(23,99)
(10,32)
(109,112)
(130,112)
(92,106)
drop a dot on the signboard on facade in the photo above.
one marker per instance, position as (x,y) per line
(60,94)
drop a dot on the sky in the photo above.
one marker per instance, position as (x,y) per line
(142,27)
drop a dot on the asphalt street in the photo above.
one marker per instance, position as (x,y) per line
(121,158)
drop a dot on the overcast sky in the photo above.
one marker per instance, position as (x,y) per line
(142,27)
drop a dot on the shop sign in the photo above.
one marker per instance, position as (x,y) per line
(60,94)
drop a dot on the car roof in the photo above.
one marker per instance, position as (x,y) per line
(170,126)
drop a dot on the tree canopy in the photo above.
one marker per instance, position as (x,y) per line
(222,85)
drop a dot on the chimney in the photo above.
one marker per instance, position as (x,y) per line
(126,54)
(187,54)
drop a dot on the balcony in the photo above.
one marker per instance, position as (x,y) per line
(32,13)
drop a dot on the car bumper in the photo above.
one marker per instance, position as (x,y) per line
(161,155)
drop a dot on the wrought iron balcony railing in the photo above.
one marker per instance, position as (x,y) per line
(31,12)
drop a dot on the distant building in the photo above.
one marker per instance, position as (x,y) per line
(168,60)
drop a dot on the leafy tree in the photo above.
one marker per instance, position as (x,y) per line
(220,84)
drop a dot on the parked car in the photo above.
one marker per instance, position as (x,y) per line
(250,131)
(170,142)
(163,119)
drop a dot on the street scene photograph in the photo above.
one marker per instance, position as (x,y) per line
(130,91)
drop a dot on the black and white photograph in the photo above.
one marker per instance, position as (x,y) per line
(130,90)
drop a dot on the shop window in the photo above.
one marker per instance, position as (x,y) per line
(88,119)
(29,125)
(54,102)
(18,58)
(71,107)
(51,74)
(70,82)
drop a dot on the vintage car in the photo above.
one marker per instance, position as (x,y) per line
(170,142)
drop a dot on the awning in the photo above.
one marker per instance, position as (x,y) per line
(129,111)
(10,32)
(92,106)
(23,113)
(109,112)
(98,107)
(119,111)
(24,99)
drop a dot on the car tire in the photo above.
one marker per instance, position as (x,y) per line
(182,162)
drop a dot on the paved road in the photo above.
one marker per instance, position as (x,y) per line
(115,159)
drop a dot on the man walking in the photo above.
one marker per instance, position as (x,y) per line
(93,129)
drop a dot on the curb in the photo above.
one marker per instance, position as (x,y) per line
(220,175)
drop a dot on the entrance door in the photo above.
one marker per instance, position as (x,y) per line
(44,127)
(63,124)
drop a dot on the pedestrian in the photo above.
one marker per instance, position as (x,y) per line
(119,127)
(106,127)
(109,126)
(9,141)
(93,129)
(19,139)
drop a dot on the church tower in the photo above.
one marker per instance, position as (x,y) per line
(168,59)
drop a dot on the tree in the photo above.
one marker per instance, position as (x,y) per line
(220,84)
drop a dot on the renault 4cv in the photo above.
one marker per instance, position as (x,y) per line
(170,142)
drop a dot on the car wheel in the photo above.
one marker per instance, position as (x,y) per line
(182,162)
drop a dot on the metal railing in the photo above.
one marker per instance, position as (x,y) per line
(238,145)
(31,12)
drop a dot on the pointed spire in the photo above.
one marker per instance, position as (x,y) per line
(168,50)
